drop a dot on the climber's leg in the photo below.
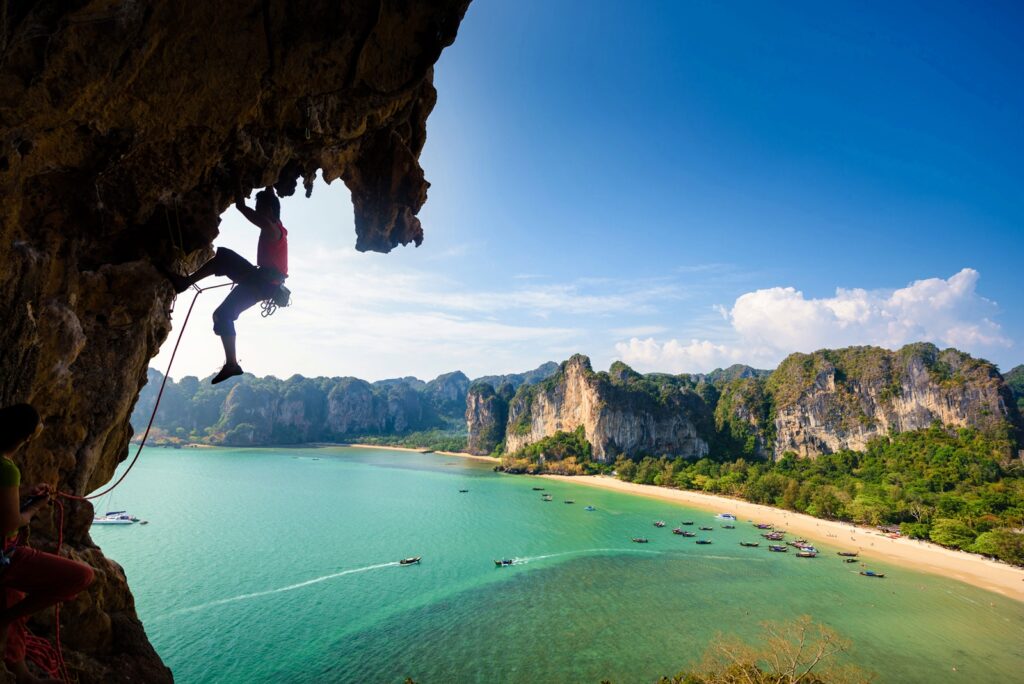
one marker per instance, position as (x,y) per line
(44,579)
(225,262)
(241,298)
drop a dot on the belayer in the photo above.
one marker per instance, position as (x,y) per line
(30,580)
(252,283)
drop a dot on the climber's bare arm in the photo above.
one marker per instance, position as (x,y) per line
(256,218)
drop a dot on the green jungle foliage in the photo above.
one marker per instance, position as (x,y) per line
(1015,380)
(948,486)
(563,453)
(434,440)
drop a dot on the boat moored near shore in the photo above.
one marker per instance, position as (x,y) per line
(115,518)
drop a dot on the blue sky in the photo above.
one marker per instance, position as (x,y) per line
(680,185)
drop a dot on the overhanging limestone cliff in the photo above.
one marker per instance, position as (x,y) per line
(124,127)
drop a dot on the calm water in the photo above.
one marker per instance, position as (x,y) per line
(271,566)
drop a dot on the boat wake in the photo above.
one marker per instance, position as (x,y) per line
(530,559)
(290,587)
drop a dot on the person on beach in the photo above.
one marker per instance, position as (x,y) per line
(252,283)
(31,580)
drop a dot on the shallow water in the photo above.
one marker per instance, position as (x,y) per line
(262,565)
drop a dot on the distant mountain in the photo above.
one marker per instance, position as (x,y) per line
(258,411)
(516,380)
(811,404)
(1015,381)
(735,372)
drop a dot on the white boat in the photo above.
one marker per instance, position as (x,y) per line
(726,516)
(115,518)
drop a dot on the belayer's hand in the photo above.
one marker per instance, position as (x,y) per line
(41,489)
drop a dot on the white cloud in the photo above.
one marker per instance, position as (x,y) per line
(638,330)
(679,357)
(766,325)
(369,316)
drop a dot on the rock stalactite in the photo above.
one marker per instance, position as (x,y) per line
(125,128)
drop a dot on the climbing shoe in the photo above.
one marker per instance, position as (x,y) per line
(229,370)
(178,282)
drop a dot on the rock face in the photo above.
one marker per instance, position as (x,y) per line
(124,128)
(812,404)
(833,400)
(448,392)
(618,416)
(486,415)
(250,411)
(517,380)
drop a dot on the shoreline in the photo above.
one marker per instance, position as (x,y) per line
(972,569)
(418,450)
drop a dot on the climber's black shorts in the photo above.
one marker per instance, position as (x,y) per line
(252,285)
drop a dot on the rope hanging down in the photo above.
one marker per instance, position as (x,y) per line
(160,394)
(50,657)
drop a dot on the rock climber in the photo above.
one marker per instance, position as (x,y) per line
(252,283)
(31,580)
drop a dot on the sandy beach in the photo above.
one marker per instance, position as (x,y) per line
(972,569)
(460,454)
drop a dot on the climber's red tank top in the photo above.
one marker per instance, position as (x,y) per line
(271,253)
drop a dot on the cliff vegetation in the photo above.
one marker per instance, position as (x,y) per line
(1015,381)
(812,404)
(952,488)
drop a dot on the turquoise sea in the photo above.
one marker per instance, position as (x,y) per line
(280,565)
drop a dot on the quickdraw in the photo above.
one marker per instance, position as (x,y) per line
(282,297)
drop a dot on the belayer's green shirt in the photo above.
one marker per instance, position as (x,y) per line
(10,476)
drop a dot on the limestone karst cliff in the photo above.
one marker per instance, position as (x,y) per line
(250,411)
(840,399)
(618,414)
(812,404)
(124,128)
(486,415)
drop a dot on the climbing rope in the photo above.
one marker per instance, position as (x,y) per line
(50,657)
(159,395)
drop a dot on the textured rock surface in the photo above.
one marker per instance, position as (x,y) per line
(486,415)
(616,418)
(448,392)
(812,404)
(122,128)
(833,400)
